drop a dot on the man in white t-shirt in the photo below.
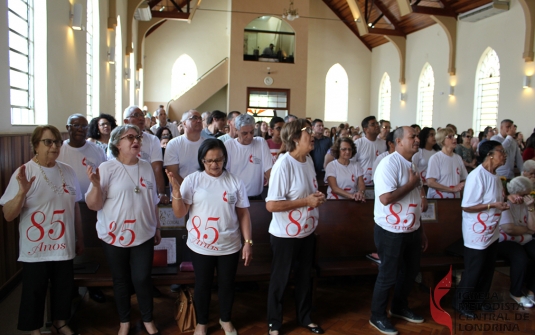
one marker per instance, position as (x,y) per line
(161,117)
(509,144)
(248,157)
(181,152)
(150,149)
(399,200)
(233,133)
(369,147)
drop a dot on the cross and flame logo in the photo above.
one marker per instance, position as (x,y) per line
(437,312)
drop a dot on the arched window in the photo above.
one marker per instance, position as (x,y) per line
(336,91)
(426,88)
(487,90)
(183,75)
(119,72)
(385,97)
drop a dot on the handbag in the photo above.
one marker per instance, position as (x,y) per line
(185,313)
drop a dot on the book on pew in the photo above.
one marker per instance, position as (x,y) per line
(374,257)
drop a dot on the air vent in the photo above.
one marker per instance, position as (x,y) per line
(488,10)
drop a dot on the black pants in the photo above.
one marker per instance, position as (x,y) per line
(134,263)
(204,267)
(288,253)
(400,263)
(477,277)
(519,257)
(35,279)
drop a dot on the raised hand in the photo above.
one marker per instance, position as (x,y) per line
(172,180)
(528,200)
(94,177)
(24,184)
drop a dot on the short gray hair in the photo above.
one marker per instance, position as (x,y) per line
(128,109)
(116,135)
(528,166)
(75,116)
(519,185)
(243,120)
(186,115)
(399,133)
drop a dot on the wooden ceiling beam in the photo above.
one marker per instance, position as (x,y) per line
(354,28)
(170,15)
(404,7)
(381,31)
(433,11)
(153,3)
(393,19)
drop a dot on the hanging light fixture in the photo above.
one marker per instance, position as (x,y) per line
(290,14)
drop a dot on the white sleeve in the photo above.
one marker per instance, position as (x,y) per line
(266,156)
(507,217)
(464,172)
(156,151)
(76,184)
(387,177)
(186,190)
(473,191)
(228,145)
(12,187)
(519,160)
(243,200)
(278,185)
(330,170)
(508,142)
(433,168)
(171,153)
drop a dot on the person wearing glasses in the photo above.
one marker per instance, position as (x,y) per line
(150,151)
(385,128)
(100,129)
(45,193)
(123,191)
(293,198)
(275,142)
(482,205)
(181,151)
(249,157)
(218,222)
(466,151)
(514,156)
(343,176)
(446,173)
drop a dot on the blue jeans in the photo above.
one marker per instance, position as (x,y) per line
(400,263)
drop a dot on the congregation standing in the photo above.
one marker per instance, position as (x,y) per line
(215,164)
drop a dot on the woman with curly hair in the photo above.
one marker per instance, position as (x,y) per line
(100,129)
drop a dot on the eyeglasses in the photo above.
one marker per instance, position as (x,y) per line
(211,161)
(468,136)
(501,151)
(345,149)
(195,118)
(78,126)
(131,138)
(308,130)
(136,115)
(104,124)
(48,142)
(451,137)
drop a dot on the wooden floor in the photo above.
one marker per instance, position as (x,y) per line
(342,307)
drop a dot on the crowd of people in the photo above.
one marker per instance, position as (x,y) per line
(214,164)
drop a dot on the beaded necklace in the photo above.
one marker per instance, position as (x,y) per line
(57,190)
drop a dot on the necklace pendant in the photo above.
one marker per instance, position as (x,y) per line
(136,189)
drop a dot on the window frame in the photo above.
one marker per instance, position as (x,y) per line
(380,110)
(339,73)
(481,88)
(421,114)
(275,109)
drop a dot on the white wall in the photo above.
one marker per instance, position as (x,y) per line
(217,101)
(206,40)
(331,42)
(504,33)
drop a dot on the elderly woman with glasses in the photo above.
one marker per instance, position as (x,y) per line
(482,205)
(466,151)
(293,198)
(218,220)
(343,176)
(44,192)
(528,170)
(517,226)
(446,173)
(123,191)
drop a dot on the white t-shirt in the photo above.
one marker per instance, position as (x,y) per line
(402,216)
(171,126)
(346,177)
(183,152)
(79,159)
(378,160)
(448,171)
(479,229)
(367,152)
(213,226)
(292,180)
(517,215)
(46,227)
(151,151)
(127,218)
(249,162)
(421,159)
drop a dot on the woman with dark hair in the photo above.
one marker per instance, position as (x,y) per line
(45,193)
(218,221)
(483,203)
(293,198)
(520,140)
(529,150)
(464,149)
(428,147)
(416,128)
(333,133)
(261,130)
(123,191)
(343,176)
(164,135)
(100,129)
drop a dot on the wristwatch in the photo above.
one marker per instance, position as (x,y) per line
(249,241)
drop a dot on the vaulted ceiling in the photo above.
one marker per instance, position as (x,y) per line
(383,17)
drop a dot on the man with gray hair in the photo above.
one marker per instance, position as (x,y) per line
(506,138)
(232,128)
(249,157)
(181,152)
(205,116)
(161,118)
(290,118)
(150,150)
